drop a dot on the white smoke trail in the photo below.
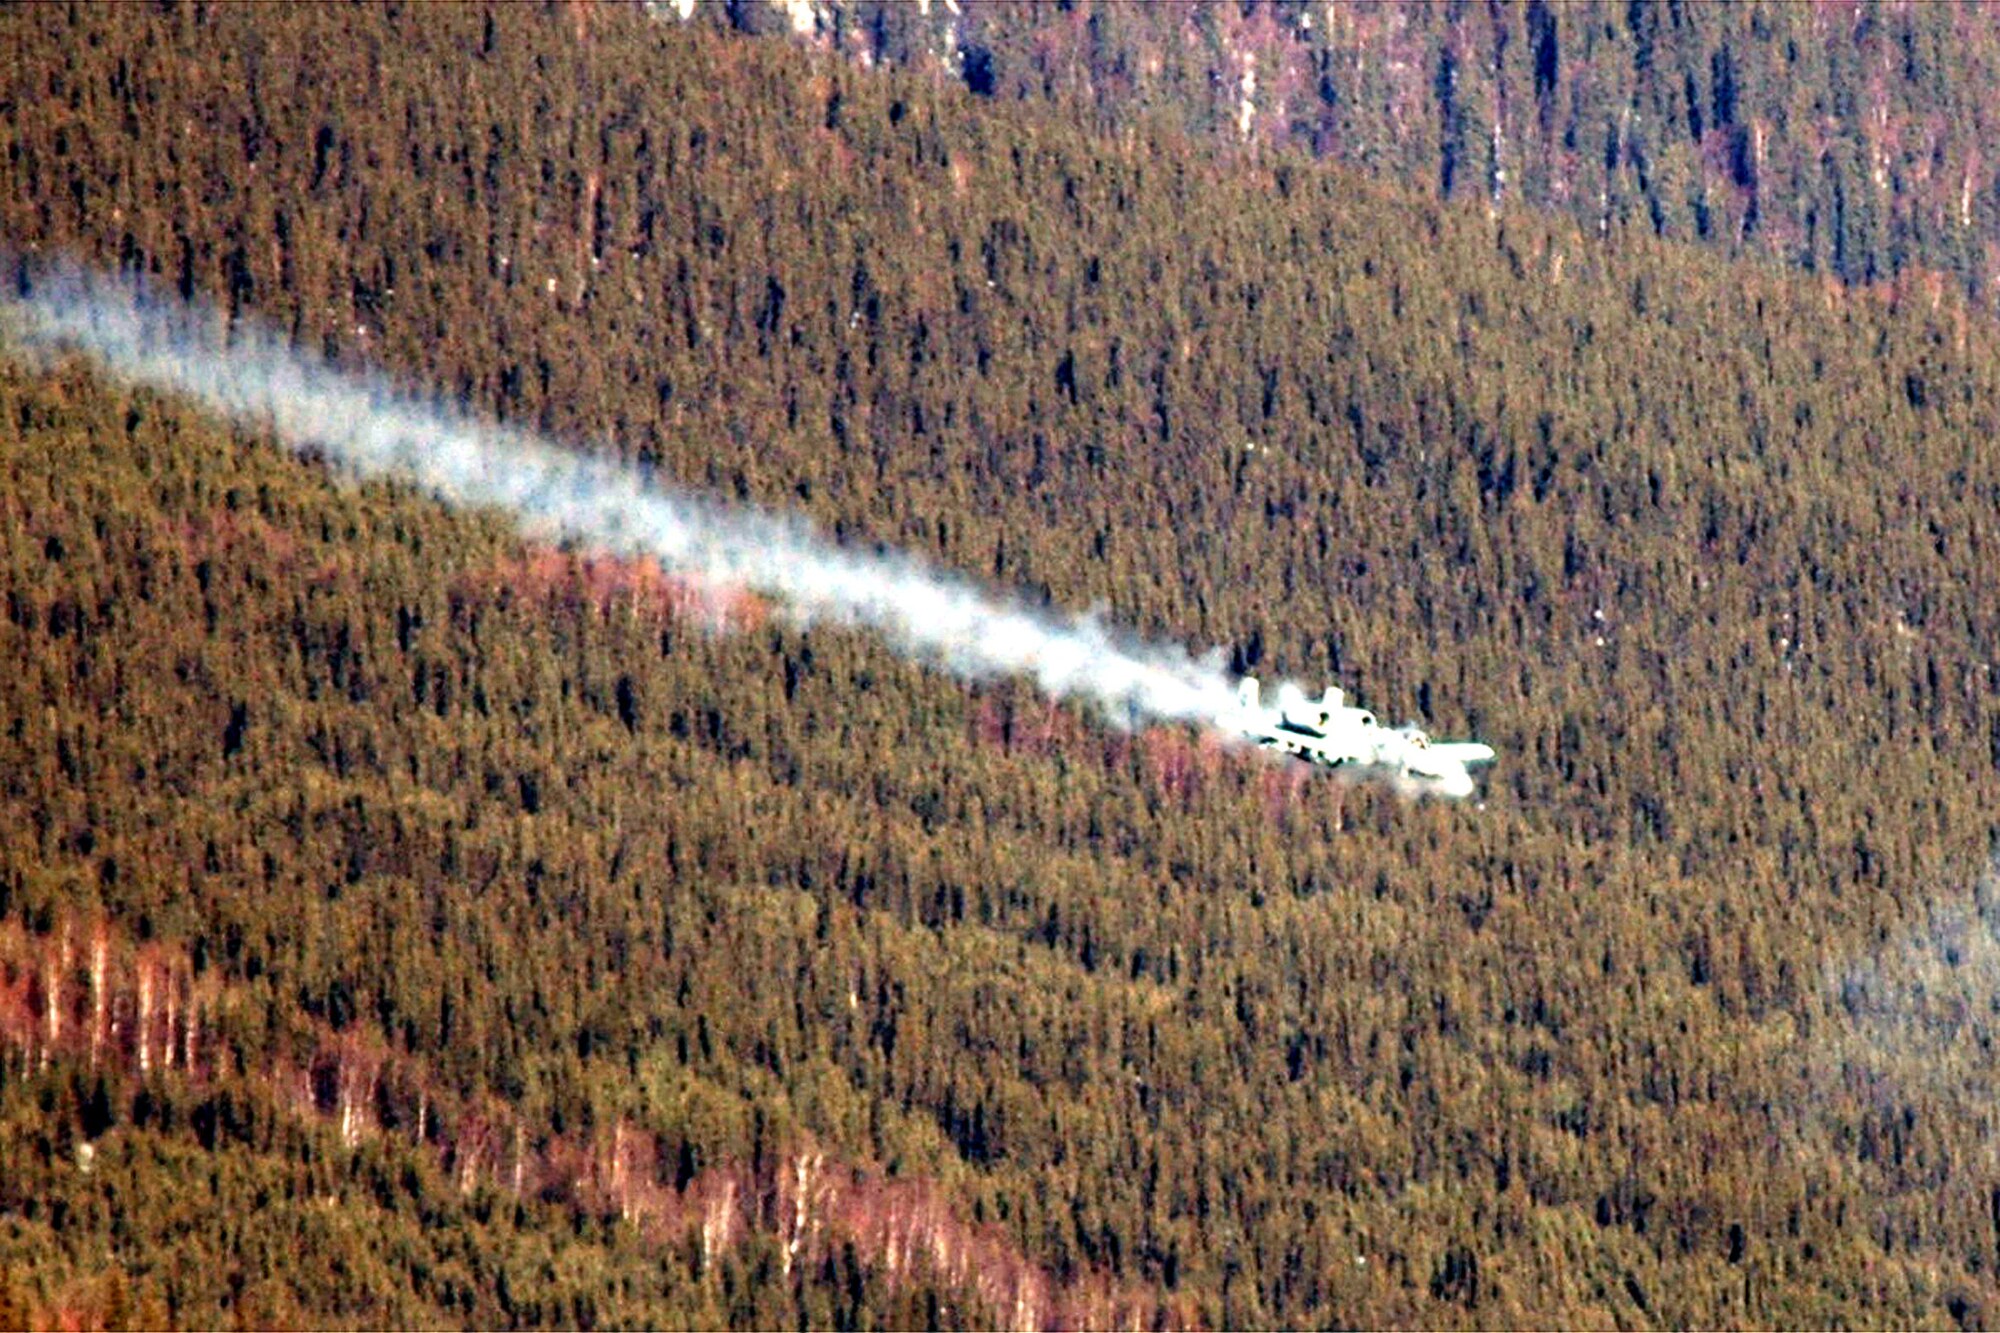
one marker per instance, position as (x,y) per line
(248,374)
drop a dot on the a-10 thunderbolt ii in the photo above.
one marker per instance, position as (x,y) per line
(1327,731)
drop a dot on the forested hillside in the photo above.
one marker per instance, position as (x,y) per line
(518,907)
(1848,138)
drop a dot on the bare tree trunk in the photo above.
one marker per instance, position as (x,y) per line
(100,997)
(145,1033)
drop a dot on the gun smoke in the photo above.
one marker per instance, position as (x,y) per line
(245,373)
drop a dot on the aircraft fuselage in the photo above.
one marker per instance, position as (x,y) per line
(1329,733)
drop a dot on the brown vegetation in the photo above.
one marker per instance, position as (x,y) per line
(1706,555)
(83,993)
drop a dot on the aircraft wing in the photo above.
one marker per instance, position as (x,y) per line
(1464,752)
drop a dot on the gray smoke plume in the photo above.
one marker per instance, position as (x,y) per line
(245,373)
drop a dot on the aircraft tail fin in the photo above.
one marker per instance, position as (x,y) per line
(1246,692)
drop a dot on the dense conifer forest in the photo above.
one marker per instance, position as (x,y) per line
(1849,138)
(405,923)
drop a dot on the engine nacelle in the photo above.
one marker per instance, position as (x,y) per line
(1296,709)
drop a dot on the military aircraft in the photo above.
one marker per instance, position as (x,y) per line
(1327,731)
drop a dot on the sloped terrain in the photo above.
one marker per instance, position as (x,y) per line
(1683,1025)
(1846,139)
